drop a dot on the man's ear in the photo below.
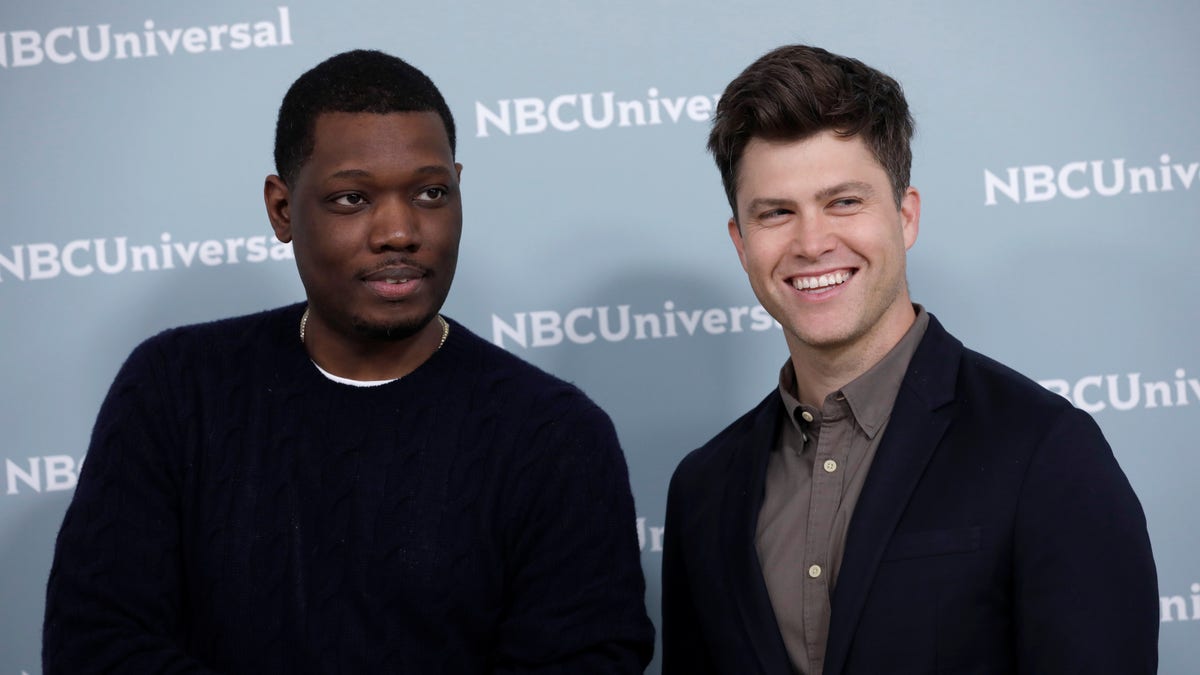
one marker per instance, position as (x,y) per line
(910,216)
(277,199)
(735,234)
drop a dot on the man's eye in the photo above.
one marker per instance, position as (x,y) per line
(350,199)
(431,194)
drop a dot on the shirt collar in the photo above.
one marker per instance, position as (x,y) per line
(871,395)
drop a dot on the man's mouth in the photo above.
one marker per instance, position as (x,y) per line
(395,275)
(822,281)
(395,282)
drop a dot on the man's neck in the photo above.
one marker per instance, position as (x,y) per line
(368,359)
(820,371)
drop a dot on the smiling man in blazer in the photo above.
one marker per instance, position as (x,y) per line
(899,503)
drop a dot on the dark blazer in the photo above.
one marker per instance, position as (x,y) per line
(995,534)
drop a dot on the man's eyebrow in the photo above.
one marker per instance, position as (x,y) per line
(350,173)
(435,169)
(855,186)
(759,203)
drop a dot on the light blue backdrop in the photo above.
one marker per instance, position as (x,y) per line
(1057,153)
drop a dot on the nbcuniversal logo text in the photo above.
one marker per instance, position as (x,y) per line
(51,473)
(585,325)
(1130,391)
(1175,607)
(569,112)
(66,44)
(84,257)
(1079,180)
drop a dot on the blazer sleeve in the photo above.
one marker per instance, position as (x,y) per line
(1086,592)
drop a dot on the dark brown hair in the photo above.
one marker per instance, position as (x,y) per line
(796,91)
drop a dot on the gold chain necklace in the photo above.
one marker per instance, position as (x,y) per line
(445,328)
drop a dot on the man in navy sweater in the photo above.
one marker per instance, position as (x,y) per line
(353,484)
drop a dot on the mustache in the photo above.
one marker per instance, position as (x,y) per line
(393,263)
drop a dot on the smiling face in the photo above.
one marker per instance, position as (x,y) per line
(374,216)
(824,244)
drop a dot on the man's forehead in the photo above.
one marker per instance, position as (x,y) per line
(338,134)
(350,145)
(827,141)
(819,162)
(417,125)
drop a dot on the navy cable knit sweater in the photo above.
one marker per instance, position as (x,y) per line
(238,512)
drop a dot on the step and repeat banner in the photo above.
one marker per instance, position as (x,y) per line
(1057,152)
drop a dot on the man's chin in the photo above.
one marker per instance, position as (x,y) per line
(394,331)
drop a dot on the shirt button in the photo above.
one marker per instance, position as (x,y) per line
(807,416)
(814,571)
(830,466)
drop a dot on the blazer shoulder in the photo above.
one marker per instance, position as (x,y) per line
(993,405)
(944,370)
(992,385)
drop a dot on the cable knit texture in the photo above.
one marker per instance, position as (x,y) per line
(240,513)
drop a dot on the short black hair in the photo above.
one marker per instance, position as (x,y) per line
(357,81)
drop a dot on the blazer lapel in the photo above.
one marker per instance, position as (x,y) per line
(741,501)
(918,421)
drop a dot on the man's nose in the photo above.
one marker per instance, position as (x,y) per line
(394,226)
(813,237)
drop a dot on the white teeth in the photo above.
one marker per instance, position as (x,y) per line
(393,281)
(823,281)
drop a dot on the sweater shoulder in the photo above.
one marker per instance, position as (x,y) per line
(198,361)
(514,377)
(208,344)
(227,331)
